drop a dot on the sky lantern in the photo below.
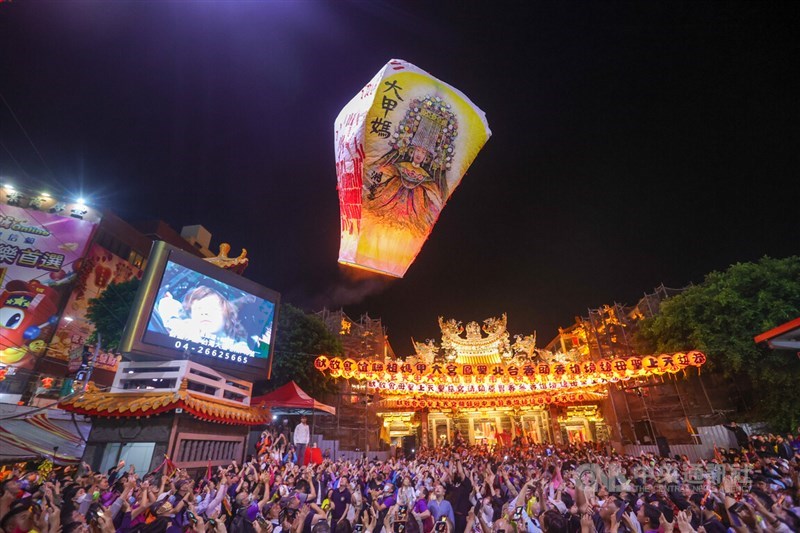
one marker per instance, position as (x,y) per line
(402,145)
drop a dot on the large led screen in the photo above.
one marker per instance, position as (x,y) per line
(200,315)
(188,308)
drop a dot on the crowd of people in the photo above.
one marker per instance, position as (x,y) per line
(586,488)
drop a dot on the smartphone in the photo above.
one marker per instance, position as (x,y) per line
(621,510)
(517,513)
(399,527)
(736,507)
(261,520)
(359,528)
(191,517)
(441,526)
(402,513)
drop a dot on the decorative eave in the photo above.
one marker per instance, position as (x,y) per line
(94,402)
(783,337)
(445,380)
(234,264)
(415,403)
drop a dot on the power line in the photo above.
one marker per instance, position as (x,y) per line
(35,149)
(14,159)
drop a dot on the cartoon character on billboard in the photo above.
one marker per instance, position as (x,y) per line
(28,309)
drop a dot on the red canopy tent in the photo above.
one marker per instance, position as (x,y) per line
(291,399)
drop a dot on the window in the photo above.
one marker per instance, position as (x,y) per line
(138,454)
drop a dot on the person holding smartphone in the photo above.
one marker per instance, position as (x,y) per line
(439,507)
(420,512)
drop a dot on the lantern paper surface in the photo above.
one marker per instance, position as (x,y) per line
(402,146)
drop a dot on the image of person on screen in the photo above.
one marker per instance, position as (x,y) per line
(204,315)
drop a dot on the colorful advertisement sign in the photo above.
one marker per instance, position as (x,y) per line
(39,259)
(402,145)
(97,271)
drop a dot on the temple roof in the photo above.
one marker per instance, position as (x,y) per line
(94,402)
(473,347)
(234,264)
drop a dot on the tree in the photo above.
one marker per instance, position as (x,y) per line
(722,315)
(300,338)
(109,312)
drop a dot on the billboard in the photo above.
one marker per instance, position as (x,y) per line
(188,308)
(40,255)
(99,269)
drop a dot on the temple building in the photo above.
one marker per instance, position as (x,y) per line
(480,385)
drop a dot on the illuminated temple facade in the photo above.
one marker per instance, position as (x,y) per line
(497,411)
(482,385)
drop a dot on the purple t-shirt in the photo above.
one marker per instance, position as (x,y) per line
(420,506)
(388,501)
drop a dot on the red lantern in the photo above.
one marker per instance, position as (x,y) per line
(681,360)
(3,372)
(697,358)
(667,363)
(650,363)
(321,363)
(47,383)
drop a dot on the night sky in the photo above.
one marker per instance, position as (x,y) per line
(633,143)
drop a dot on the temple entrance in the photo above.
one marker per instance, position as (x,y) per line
(576,435)
(536,426)
(484,432)
(582,423)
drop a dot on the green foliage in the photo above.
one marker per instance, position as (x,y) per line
(721,317)
(300,338)
(109,312)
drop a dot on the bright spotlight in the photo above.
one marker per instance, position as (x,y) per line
(81,201)
(9,187)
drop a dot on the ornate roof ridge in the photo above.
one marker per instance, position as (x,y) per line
(149,403)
